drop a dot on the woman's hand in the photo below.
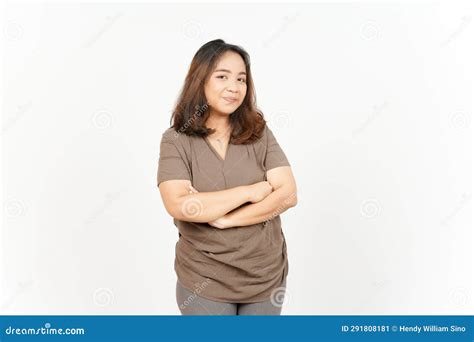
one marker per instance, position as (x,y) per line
(221,223)
(259,191)
(192,190)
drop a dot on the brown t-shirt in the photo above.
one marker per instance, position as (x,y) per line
(234,265)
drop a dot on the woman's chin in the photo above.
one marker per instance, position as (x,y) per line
(225,111)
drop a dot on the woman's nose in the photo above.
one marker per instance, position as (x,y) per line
(232,88)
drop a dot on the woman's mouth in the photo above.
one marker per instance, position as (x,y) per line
(230,99)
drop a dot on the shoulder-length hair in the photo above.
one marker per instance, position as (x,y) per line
(191,110)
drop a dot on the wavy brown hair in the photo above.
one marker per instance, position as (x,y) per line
(191,110)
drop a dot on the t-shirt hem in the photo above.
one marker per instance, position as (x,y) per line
(249,301)
(172,178)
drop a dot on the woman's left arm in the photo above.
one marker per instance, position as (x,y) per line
(283,197)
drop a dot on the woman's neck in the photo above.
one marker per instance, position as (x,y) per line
(220,123)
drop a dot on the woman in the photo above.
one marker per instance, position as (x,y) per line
(225,180)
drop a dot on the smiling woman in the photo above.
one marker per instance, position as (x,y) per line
(219,78)
(225,180)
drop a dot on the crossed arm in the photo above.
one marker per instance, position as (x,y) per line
(223,209)
(278,201)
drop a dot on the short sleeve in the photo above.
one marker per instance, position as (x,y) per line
(274,157)
(172,163)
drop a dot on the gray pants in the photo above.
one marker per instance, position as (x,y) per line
(191,304)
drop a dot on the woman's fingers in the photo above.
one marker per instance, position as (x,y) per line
(216,224)
(192,190)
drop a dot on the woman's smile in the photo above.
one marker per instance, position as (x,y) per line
(230,100)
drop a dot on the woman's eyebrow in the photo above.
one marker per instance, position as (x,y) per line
(226,70)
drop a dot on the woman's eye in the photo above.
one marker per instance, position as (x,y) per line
(224,77)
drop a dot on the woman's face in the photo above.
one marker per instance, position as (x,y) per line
(227,85)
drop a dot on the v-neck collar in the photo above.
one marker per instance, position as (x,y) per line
(215,151)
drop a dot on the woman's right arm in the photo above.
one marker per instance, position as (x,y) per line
(207,206)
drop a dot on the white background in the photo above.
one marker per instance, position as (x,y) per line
(372,103)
